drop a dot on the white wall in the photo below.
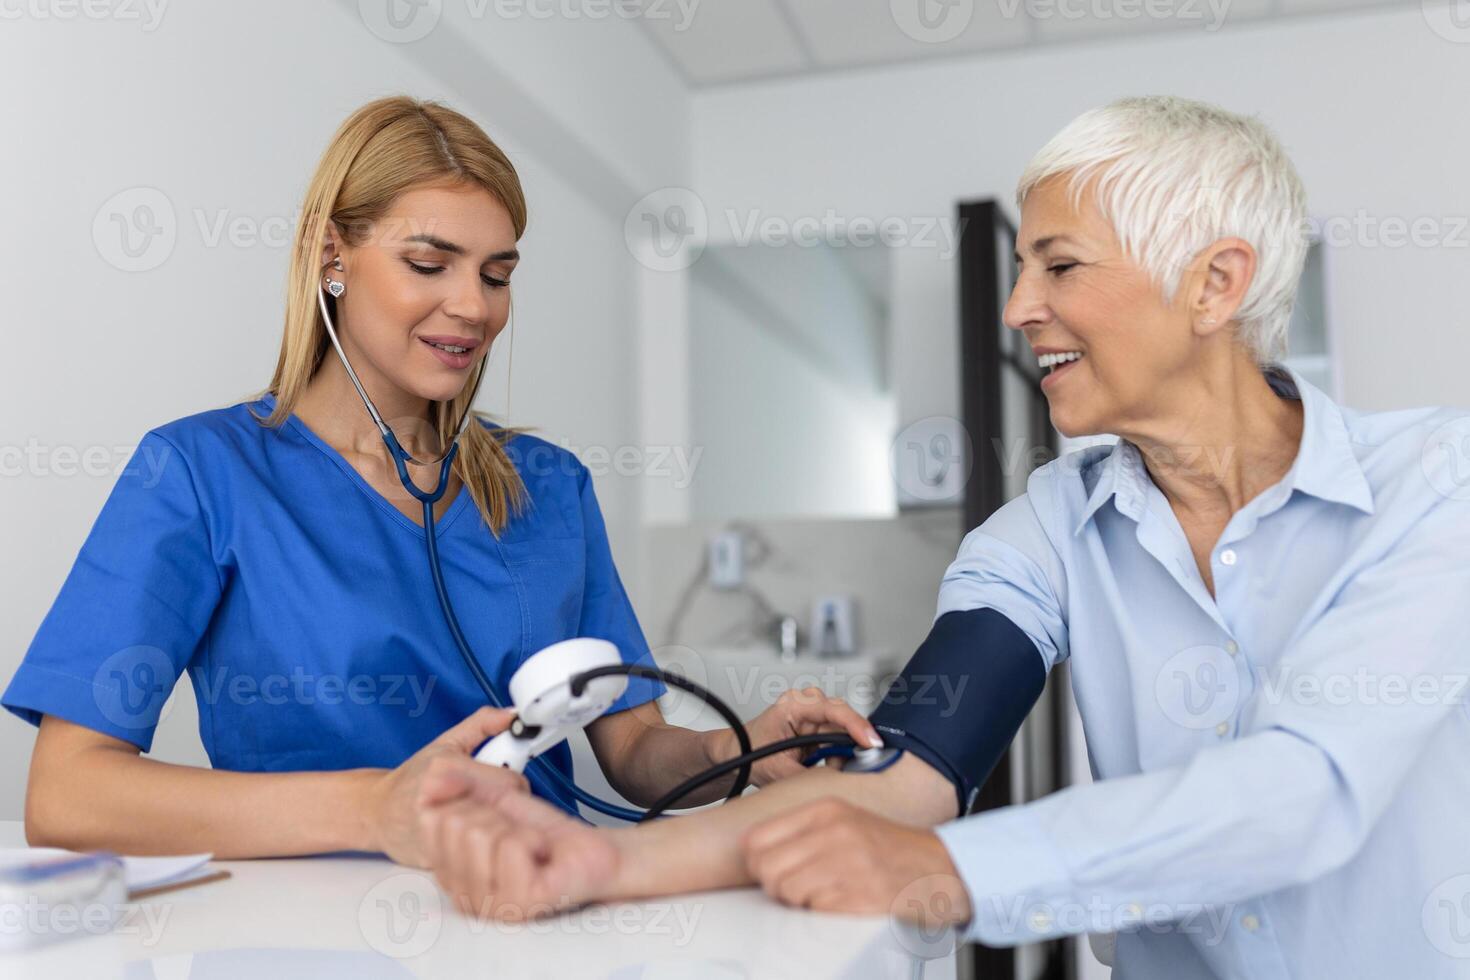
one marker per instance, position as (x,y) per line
(225,108)
(1367,104)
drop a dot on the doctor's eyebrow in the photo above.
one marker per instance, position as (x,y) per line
(453,249)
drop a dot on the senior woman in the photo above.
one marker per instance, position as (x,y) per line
(1263,597)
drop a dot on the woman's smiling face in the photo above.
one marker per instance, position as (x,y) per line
(1078,291)
(435,270)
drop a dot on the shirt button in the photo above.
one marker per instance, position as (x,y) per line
(1232,648)
(1250,922)
(1040,920)
(1227,557)
(1222,728)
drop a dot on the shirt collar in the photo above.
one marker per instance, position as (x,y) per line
(1325,466)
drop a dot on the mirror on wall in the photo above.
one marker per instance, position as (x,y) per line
(792,403)
(1309,338)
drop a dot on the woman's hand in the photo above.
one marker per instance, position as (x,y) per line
(833,856)
(392,800)
(796,712)
(509,856)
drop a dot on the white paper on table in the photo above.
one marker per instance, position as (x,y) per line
(140,872)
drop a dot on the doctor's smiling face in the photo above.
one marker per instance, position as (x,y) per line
(427,292)
(1079,292)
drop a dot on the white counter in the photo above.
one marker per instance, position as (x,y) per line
(365,917)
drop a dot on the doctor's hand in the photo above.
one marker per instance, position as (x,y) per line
(832,856)
(515,857)
(391,804)
(796,712)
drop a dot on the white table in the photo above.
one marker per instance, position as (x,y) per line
(363,917)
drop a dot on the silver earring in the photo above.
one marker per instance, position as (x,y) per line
(334,286)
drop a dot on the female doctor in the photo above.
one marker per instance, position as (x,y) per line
(269,550)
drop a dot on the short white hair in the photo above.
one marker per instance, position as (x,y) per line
(1172,176)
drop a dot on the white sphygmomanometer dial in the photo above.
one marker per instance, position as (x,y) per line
(546,710)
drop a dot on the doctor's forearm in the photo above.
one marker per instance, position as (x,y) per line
(664,756)
(644,756)
(84,796)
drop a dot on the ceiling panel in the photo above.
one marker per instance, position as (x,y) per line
(728,40)
(1062,21)
(1333,6)
(842,33)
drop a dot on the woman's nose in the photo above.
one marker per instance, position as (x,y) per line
(468,301)
(1026,305)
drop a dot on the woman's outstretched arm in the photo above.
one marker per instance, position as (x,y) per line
(519,858)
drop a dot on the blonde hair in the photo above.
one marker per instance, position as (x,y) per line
(1173,176)
(383,149)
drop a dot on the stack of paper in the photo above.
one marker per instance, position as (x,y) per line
(141,872)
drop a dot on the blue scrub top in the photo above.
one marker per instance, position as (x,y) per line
(300,602)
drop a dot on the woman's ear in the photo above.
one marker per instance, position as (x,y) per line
(1229,269)
(331,244)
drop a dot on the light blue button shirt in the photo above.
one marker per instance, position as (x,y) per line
(1283,770)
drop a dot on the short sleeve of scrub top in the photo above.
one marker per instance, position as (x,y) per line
(299,601)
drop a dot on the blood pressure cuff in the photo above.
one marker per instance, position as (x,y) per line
(962,697)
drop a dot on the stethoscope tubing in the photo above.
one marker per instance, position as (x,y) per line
(429,498)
